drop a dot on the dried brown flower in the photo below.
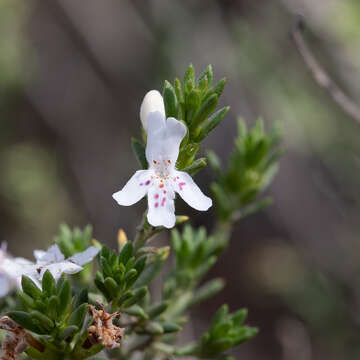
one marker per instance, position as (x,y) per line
(18,341)
(102,330)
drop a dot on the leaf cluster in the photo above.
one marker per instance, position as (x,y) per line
(226,331)
(72,241)
(118,274)
(124,278)
(194,254)
(250,169)
(193,101)
(56,315)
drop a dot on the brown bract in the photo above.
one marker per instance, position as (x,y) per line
(103,331)
(18,341)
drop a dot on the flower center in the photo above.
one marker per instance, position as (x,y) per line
(162,168)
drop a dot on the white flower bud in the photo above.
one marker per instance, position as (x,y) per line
(153,101)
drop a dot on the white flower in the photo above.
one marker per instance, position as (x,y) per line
(161,180)
(52,260)
(8,280)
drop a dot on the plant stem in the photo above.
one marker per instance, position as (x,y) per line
(145,231)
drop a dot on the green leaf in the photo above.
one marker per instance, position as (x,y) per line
(130,264)
(140,264)
(178,91)
(211,123)
(170,327)
(205,267)
(106,268)
(208,73)
(207,291)
(111,287)
(189,79)
(26,321)
(254,208)
(196,166)
(60,282)
(30,288)
(139,151)
(220,315)
(176,240)
(187,155)
(154,328)
(203,85)
(105,252)
(78,316)
(136,310)
(82,297)
(219,87)
(192,104)
(130,278)
(214,161)
(138,295)
(170,101)
(157,309)
(43,319)
(152,269)
(48,284)
(64,240)
(126,253)
(239,317)
(68,332)
(26,300)
(127,295)
(64,297)
(206,108)
(53,305)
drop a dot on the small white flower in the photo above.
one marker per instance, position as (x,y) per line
(8,280)
(161,180)
(52,260)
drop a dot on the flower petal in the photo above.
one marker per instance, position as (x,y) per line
(53,254)
(164,138)
(161,210)
(14,268)
(57,269)
(38,254)
(135,189)
(3,247)
(153,101)
(190,192)
(5,285)
(84,257)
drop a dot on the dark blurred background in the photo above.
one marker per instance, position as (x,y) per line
(72,76)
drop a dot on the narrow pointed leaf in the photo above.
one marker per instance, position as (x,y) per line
(139,151)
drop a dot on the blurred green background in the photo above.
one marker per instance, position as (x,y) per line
(72,77)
